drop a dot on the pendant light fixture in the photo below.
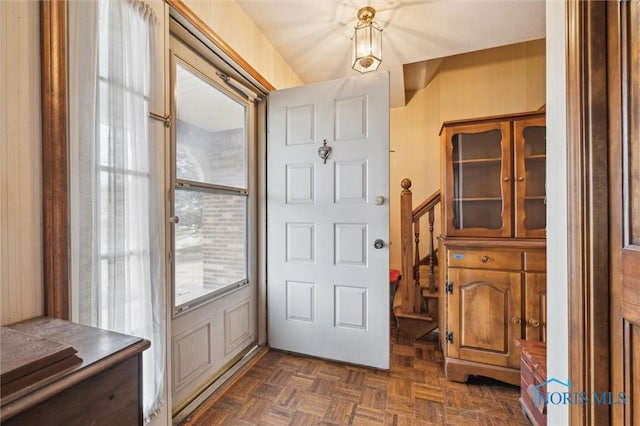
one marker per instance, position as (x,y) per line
(367,42)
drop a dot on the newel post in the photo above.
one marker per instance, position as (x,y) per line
(406,285)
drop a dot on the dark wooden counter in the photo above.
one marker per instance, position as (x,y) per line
(103,385)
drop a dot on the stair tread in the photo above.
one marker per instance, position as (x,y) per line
(412,315)
(429,294)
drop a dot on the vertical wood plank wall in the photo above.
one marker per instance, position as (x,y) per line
(20,169)
(502,80)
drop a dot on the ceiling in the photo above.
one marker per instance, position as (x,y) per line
(313,36)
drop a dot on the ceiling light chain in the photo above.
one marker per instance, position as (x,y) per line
(367,42)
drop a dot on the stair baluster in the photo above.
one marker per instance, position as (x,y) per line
(417,302)
(432,257)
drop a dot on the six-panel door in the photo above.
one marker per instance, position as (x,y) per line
(328,289)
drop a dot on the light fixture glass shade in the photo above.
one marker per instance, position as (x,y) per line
(367,47)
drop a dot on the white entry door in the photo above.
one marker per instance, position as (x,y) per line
(327,280)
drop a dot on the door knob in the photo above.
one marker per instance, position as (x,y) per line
(378,243)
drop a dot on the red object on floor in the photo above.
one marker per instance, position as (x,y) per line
(394,275)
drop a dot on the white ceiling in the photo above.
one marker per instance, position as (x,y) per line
(313,36)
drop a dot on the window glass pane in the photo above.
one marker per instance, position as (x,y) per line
(210,243)
(210,133)
(119,149)
(122,197)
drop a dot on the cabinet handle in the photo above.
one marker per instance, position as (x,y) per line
(534,322)
(516,320)
(484,259)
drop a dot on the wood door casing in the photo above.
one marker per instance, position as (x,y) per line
(588,219)
(624,205)
(484,314)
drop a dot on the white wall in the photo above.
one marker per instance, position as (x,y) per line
(557,219)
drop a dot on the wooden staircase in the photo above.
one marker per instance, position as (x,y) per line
(415,304)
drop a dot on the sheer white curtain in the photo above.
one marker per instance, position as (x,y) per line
(116,180)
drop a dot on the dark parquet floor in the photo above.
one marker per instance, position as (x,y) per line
(288,389)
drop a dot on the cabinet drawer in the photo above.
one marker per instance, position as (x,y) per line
(533,389)
(535,261)
(484,259)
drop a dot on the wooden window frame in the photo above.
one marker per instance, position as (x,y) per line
(55,158)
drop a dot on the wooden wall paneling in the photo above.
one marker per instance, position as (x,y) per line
(588,213)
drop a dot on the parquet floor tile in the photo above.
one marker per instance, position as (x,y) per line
(289,389)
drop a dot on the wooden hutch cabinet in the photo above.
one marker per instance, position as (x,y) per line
(493,243)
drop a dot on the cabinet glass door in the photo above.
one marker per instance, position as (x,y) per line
(530,157)
(478,179)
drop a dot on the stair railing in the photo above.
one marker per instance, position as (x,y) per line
(412,300)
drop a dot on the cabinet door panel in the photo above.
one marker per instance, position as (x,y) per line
(535,311)
(530,176)
(477,178)
(484,315)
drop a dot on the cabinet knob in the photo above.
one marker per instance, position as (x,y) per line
(506,178)
(484,259)
(534,322)
(520,178)
(516,320)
